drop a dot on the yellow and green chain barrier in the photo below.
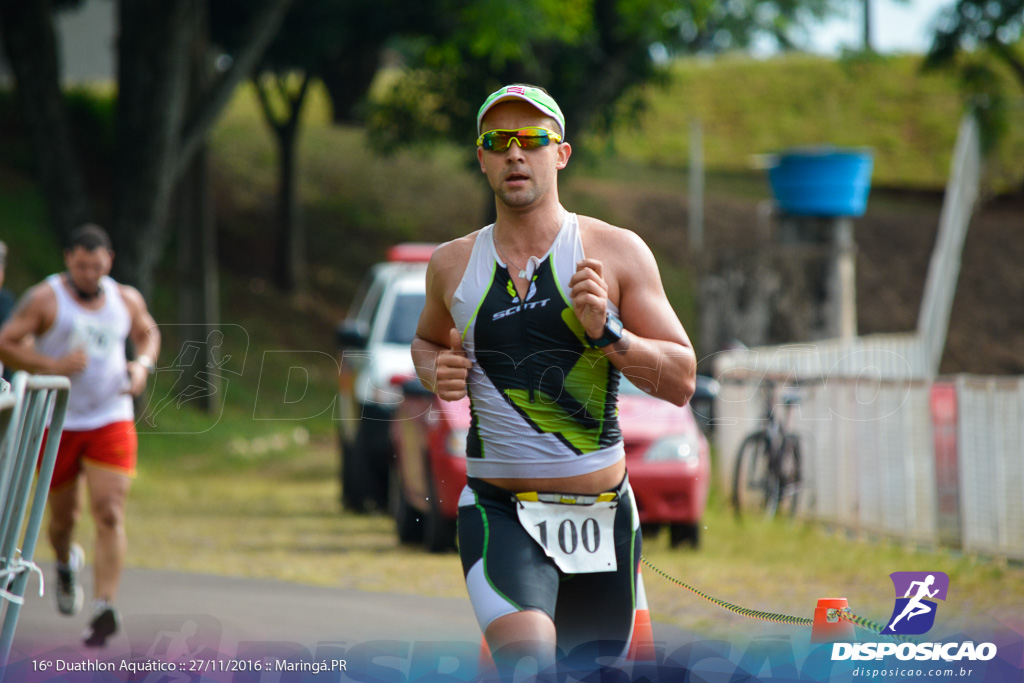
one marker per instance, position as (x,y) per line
(845,615)
(867,625)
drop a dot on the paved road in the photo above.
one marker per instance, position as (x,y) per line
(220,630)
(179,617)
(251,609)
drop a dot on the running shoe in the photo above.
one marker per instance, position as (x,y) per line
(105,623)
(70,594)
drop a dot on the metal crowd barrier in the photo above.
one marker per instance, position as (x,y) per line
(33,405)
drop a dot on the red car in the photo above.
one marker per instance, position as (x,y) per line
(667,458)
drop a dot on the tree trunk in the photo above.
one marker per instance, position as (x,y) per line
(290,267)
(198,291)
(31,45)
(154,142)
(291,235)
(260,32)
(193,217)
(153,46)
(868,33)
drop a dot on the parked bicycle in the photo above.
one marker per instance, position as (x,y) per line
(767,476)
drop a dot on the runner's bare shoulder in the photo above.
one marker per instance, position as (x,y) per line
(601,239)
(38,304)
(132,298)
(448,264)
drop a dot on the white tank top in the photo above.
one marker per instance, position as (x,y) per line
(98,395)
(543,403)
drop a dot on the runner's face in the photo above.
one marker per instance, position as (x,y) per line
(520,178)
(86,267)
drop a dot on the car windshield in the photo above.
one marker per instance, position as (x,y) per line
(405,314)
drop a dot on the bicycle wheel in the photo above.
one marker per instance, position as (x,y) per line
(755,488)
(789,475)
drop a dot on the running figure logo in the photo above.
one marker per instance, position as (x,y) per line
(914,613)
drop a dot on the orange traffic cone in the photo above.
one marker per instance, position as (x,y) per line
(825,630)
(641,643)
(486,661)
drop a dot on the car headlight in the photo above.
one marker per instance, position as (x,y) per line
(456,442)
(677,448)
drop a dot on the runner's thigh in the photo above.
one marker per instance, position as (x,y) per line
(601,606)
(506,571)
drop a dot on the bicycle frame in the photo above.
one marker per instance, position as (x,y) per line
(771,457)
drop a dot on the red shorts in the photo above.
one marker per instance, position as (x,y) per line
(114,447)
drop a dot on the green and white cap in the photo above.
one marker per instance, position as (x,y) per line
(527,93)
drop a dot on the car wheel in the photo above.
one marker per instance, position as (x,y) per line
(408,520)
(684,534)
(650,530)
(789,475)
(371,462)
(438,533)
(352,479)
(366,485)
(754,489)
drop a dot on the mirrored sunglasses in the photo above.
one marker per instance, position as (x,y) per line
(526,138)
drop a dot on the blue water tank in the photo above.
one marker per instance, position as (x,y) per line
(822,181)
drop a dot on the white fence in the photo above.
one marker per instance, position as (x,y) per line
(878,356)
(991,460)
(888,449)
(877,454)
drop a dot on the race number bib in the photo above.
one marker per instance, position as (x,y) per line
(97,339)
(579,538)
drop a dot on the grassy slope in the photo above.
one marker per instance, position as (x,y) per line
(256,497)
(746,107)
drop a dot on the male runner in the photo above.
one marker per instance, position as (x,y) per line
(80,320)
(535,317)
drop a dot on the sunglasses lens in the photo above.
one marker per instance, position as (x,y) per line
(527,138)
(533,138)
(496,140)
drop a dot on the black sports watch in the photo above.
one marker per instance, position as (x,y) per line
(612,333)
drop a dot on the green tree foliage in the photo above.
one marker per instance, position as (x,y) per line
(588,53)
(991,25)
(968,36)
(337,41)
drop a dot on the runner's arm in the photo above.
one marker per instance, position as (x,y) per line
(33,316)
(655,351)
(145,336)
(437,354)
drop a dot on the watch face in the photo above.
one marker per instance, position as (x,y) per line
(614,325)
